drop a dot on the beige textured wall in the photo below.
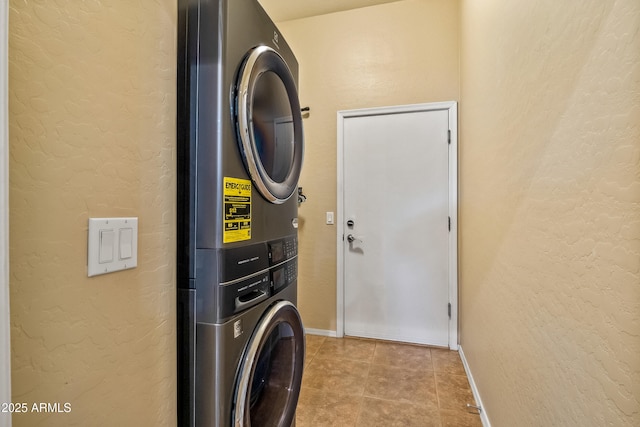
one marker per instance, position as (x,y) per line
(92,134)
(550,209)
(399,53)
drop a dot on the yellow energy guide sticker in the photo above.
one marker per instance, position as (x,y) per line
(237,210)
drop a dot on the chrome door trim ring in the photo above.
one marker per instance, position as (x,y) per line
(248,361)
(274,192)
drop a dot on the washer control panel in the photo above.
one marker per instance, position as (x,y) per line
(284,275)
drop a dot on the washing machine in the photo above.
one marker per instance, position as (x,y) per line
(239,151)
(248,363)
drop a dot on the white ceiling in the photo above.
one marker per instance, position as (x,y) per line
(285,10)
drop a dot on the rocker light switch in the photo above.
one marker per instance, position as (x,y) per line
(126,237)
(329,218)
(112,245)
(105,252)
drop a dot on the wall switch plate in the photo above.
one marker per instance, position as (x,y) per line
(112,245)
(330,218)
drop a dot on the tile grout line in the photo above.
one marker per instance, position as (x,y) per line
(435,382)
(364,389)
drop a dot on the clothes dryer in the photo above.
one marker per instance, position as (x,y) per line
(240,151)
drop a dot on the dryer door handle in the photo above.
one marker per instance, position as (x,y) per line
(250,299)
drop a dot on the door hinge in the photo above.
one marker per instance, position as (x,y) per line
(449,136)
(449,223)
(449,310)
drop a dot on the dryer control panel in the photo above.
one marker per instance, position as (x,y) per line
(283,261)
(282,249)
(248,275)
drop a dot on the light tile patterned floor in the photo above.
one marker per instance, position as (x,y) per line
(353,382)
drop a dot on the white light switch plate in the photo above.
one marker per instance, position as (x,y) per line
(329,218)
(112,245)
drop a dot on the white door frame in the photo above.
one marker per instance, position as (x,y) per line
(452,108)
(5,341)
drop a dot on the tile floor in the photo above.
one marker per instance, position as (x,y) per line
(354,382)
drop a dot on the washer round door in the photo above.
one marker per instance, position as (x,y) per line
(270,374)
(269,124)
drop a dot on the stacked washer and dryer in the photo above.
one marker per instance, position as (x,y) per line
(240,149)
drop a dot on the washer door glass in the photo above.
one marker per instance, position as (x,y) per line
(270,377)
(269,124)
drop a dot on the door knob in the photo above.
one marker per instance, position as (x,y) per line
(351,238)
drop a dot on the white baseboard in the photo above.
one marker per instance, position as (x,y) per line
(321,332)
(476,394)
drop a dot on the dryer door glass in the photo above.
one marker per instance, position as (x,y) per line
(269,124)
(271,375)
(273,126)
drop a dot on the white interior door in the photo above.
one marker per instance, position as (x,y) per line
(5,343)
(395,213)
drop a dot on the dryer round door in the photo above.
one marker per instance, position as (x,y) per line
(269,124)
(270,374)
